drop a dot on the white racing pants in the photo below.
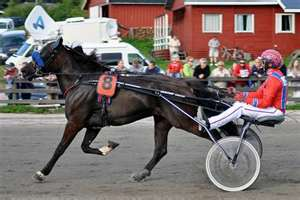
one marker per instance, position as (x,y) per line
(237,110)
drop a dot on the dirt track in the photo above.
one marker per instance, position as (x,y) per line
(28,141)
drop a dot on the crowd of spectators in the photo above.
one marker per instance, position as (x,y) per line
(242,70)
(197,68)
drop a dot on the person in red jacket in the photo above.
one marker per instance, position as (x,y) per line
(175,67)
(269,100)
(241,70)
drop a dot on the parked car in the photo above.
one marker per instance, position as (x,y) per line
(10,42)
(18,21)
(6,24)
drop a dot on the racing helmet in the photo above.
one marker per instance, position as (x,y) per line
(271,58)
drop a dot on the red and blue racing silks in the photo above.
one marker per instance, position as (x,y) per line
(272,93)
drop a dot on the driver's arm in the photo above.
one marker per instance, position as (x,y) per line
(266,94)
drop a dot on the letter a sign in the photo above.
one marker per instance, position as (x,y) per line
(40,25)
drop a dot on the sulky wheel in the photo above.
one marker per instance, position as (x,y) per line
(228,176)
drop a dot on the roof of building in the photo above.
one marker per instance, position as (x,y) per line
(290,5)
(231,2)
(287,5)
(162,2)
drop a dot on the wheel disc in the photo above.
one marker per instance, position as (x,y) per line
(227,176)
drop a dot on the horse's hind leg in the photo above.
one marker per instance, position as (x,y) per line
(89,137)
(162,127)
(70,132)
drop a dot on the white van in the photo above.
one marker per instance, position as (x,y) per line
(114,51)
(23,54)
(6,24)
(109,52)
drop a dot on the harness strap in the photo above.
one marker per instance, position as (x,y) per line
(66,92)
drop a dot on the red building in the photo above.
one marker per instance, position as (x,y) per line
(129,13)
(252,25)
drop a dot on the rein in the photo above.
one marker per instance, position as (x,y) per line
(179,98)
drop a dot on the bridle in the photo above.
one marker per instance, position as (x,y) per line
(40,63)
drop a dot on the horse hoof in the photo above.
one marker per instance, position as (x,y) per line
(140,176)
(39,177)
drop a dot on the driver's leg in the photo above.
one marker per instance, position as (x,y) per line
(232,113)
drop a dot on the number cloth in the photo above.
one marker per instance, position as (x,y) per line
(107,85)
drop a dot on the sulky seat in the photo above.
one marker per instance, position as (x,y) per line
(265,121)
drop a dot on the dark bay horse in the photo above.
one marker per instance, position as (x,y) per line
(82,109)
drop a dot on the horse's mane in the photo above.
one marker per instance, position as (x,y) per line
(90,62)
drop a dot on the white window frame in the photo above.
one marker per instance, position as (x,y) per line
(94,12)
(278,24)
(220,25)
(236,21)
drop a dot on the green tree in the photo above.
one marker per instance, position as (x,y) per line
(59,11)
(66,9)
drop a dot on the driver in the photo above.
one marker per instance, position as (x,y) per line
(269,99)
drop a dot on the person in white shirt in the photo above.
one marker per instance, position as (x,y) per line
(136,67)
(174,45)
(213,45)
(220,71)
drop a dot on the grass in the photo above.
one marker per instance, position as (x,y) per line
(2,82)
(29,109)
(295,106)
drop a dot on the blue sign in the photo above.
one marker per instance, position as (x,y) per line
(39,23)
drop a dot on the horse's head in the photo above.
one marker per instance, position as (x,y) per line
(42,61)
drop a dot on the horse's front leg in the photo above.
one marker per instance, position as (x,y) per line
(89,137)
(70,132)
(162,127)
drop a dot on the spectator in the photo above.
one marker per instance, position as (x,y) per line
(213,45)
(52,85)
(174,45)
(121,67)
(136,67)
(175,67)
(295,69)
(258,69)
(220,71)
(242,70)
(152,68)
(295,73)
(188,68)
(26,85)
(202,70)
(10,73)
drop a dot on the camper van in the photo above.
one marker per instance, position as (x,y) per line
(99,35)
(94,30)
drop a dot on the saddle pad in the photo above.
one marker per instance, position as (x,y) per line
(107,85)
